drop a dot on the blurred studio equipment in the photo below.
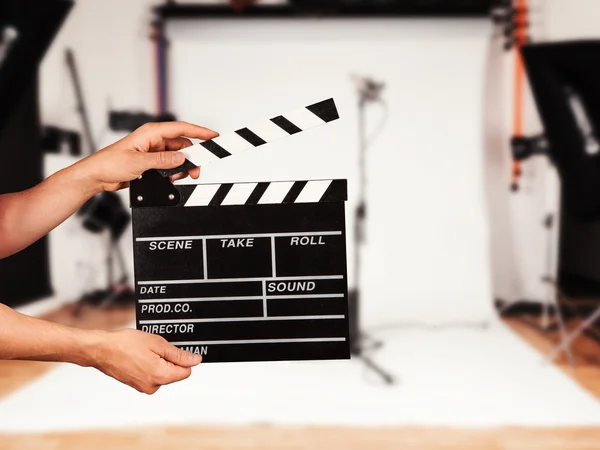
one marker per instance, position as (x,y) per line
(172,9)
(534,294)
(27,28)
(105,213)
(61,140)
(369,91)
(513,17)
(129,121)
(8,38)
(564,81)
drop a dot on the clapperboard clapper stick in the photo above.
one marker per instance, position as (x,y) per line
(252,271)
(257,134)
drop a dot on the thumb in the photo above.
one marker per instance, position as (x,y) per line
(180,357)
(175,374)
(161,160)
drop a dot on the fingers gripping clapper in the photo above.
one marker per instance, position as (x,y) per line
(252,271)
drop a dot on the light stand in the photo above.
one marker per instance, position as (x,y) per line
(103,212)
(369,91)
(106,213)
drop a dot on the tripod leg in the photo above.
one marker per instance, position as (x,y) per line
(374,344)
(375,368)
(556,296)
(563,333)
(573,335)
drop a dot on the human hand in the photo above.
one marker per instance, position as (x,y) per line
(141,360)
(152,146)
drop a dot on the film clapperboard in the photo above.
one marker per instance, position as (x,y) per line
(244,271)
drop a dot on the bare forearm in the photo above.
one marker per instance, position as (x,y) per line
(26,338)
(27,216)
(141,360)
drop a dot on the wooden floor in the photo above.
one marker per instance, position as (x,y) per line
(263,438)
(586,353)
(13,375)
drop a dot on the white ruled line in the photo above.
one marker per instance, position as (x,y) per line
(241,298)
(273,260)
(197,299)
(242,280)
(237,236)
(242,319)
(262,341)
(291,297)
(204,259)
(264,297)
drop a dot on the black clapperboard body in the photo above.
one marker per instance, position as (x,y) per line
(244,271)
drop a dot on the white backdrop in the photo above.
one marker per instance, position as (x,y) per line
(427,254)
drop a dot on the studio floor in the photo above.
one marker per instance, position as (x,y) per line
(457,387)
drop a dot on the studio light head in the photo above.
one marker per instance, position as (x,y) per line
(369,90)
(105,212)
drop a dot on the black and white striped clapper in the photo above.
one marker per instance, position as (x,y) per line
(244,271)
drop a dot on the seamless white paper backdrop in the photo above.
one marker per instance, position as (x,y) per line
(426,256)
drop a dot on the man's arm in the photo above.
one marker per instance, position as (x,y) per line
(140,360)
(27,216)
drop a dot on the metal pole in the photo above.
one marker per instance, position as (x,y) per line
(360,209)
(80,101)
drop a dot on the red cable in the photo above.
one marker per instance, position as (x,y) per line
(155,39)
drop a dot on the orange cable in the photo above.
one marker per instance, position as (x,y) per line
(519,81)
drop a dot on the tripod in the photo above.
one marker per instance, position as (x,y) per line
(361,343)
(101,214)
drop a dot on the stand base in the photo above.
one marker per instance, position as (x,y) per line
(359,350)
(361,344)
